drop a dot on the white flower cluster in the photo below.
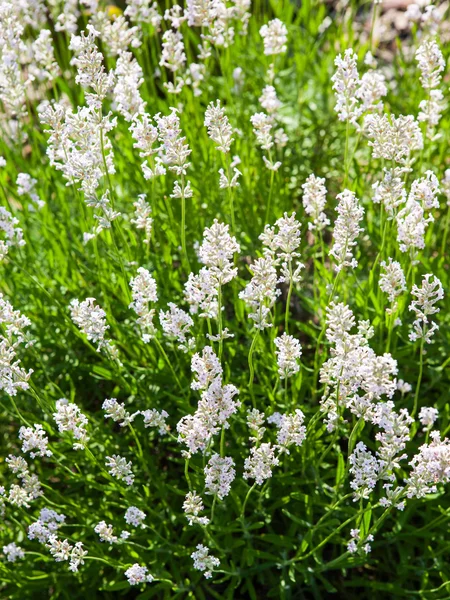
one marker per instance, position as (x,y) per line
(115,34)
(427,416)
(215,407)
(281,242)
(30,488)
(13,235)
(193,506)
(390,191)
(261,293)
(346,230)
(155,418)
(135,517)
(263,458)
(291,430)
(219,475)
(425,298)
(45,531)
(116,411)
(218,125)
(288,353)
(216,253)
(13,377)
(26,186)
(142,217)
(392,282)
(144,291)
(314,202)
(393,138)
(91,319)
(357,544)
(138,574)
(356,96)
(203,561)
(120,468)
(48,524)
(353,367)
(12,47)
(429,467)
(34,441)
(13,552)
(106,533)
(129,78)
(411,220)
(176,324)
(274,36)
(69,417)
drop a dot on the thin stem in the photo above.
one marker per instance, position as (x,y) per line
(419,379)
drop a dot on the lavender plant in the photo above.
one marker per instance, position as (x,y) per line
(224,326)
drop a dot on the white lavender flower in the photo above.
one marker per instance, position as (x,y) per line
(314,201)
(34,441)
(117,412)
(142,217)
(116,35)
(345,85)
(390,191)
(429,467)
(431,64)
(129,78)
(423,305)
(288,354)
(17,464)
(48,523)
(255,422)
(427,416)
(143,11)
(425,191)
(411,227)
(69,417)
(393,138)
(105,532)
(13,552)
(217,250)
(77,557)
(219,475)
(26,186)
(135,517)
(291,430)
(261,293)
(176,323)
(274,36)
(365,470)
(155,418)
(13,235)
(346,230)
(207,367)
(144,291)
(218,125)
(392,280)
(262,128)
(269,100)
(430,111)
(138,574)
(203,561)
(258,465)
(91,319)
(59,549)
(193,506)
(120,468)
